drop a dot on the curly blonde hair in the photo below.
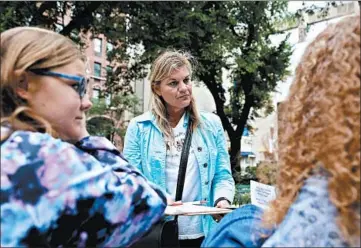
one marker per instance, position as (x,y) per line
(322,126)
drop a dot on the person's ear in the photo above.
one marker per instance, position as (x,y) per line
(22,86)
(157,90)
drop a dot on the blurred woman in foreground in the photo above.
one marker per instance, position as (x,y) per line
(318,200)
(60,186)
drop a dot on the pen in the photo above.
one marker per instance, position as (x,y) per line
(199,203)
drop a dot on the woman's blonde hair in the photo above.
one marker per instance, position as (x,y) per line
(161,68)
(321,126)
(23,49)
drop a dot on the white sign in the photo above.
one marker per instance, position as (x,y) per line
(262,194)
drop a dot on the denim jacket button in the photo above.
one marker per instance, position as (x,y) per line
(199,149)
(205,165)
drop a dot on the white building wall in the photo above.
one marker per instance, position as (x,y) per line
(263,125)
(247,143)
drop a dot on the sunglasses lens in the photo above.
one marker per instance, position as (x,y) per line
(82,87)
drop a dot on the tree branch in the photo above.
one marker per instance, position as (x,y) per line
(241,122)
(232,28)
(44,6)
(250,37)
(76,22)
(251,28)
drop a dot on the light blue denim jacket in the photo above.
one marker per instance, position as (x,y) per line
(144,147)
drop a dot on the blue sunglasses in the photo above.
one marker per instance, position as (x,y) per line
(80,87)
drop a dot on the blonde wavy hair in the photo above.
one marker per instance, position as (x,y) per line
(23,49)
(161,68)
(321,126)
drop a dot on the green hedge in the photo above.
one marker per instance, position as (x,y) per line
(242,195)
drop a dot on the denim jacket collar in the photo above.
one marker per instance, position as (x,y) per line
(149,116)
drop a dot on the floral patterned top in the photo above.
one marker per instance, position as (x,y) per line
(56,194)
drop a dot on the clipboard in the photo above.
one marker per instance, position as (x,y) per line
(190,210)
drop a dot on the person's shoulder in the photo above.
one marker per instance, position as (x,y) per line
(210,120)
(313,202)
(139,121)
(312,212)
(27,149)
(38,146)
(315,188)
(313,198)
(209,117)
(32,150)
(29,139)
(147,116)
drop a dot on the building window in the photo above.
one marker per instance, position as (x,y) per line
(108,99)
(248,141)
(247,160)
(97,82)
(97,69)
(96,93)
(97,43)
(109,47)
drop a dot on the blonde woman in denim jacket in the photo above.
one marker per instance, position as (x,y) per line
(154,141)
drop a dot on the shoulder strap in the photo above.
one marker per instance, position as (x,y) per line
(183,162)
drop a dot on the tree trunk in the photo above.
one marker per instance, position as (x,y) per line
(234,156)
(236,139)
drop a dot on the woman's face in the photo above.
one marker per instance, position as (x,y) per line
(56,100)
(176,89)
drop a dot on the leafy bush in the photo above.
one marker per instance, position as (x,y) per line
(242,198)
(267,172)
(245,177)
(242,195)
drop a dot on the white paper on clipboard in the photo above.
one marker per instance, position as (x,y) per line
(190,209)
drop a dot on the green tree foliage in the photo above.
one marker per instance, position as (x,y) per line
(101,126)
(292,20)
(245,176)
(221,35)
(84,17)
(242,198)
(231,35)
(313,9)
(242,195)
(49,14)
